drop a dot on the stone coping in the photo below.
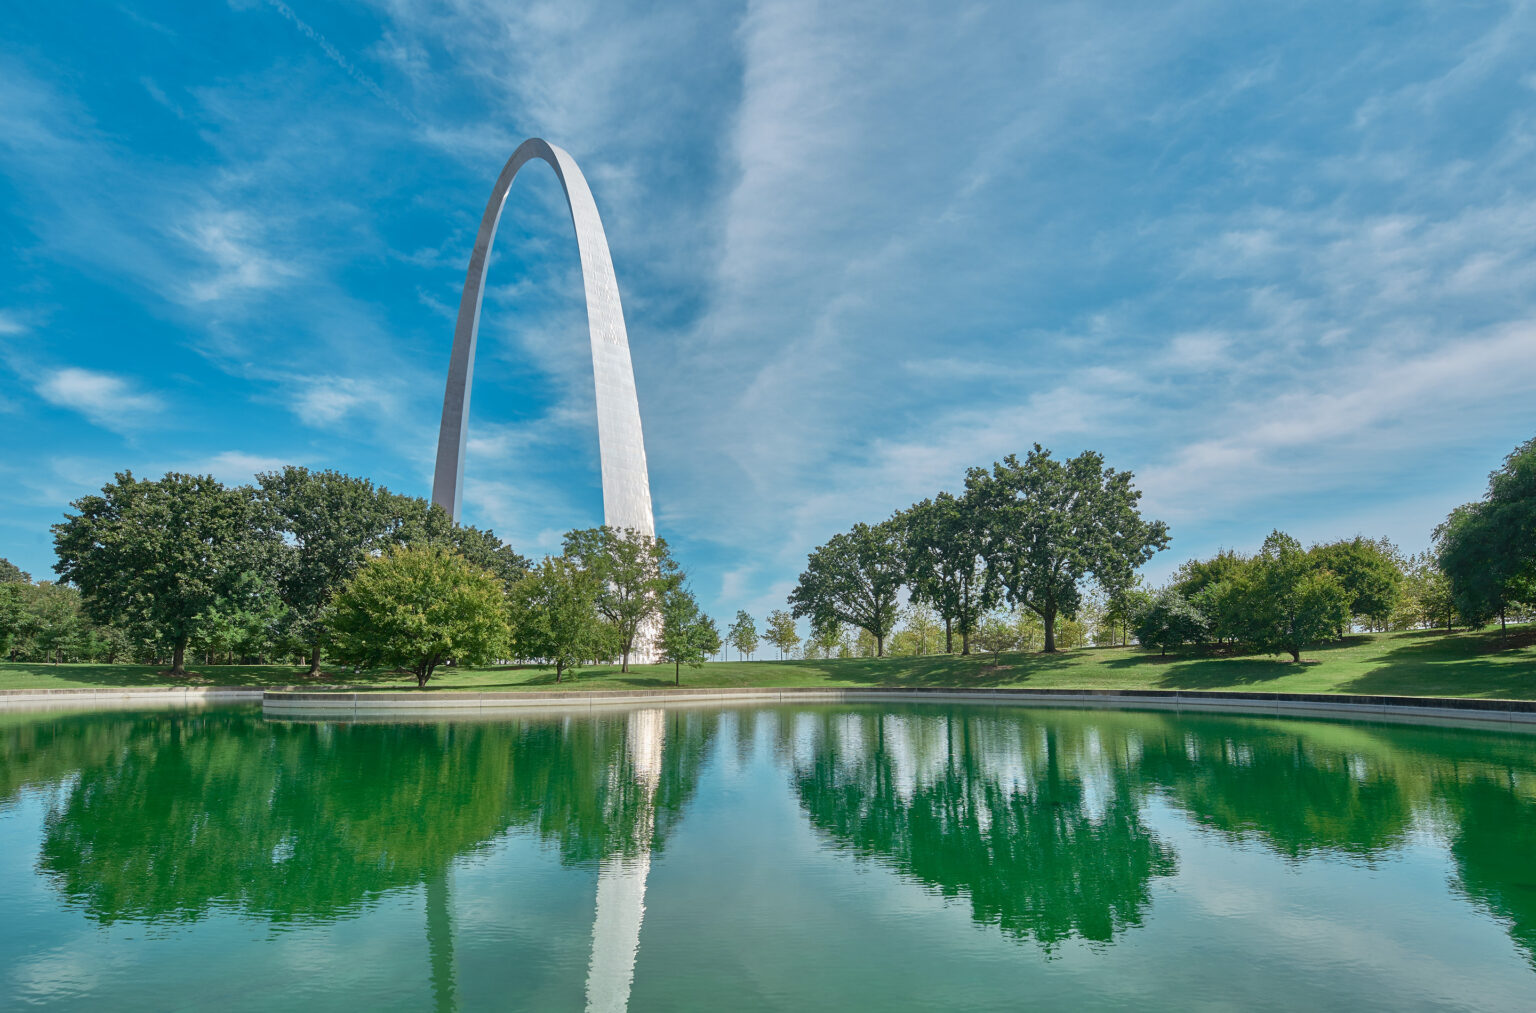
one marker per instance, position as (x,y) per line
(1504,712)
(341,701)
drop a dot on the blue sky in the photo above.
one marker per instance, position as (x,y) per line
(1279,260)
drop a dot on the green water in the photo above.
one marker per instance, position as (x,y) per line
(839,857)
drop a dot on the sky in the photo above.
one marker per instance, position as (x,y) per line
(1278,260)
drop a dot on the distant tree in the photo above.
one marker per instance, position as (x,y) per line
(1427,597)
(415,608)
(10,573)
(1222,604)
(945,541)
(825,638)
(1288,603)
(554,616)
(159,559)
(1369,573)
(922,628)
(743,634)
(688,637)
(855,579)
(1051,523)
(781,632)
(635,571)
(996,635)
(1169,620)
(13,616)
(1121,606)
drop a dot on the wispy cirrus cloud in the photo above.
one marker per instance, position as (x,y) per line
(107,400)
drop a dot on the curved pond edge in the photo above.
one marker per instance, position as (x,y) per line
(341,703)
(1485,712)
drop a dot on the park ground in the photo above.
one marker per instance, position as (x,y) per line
(1486,663)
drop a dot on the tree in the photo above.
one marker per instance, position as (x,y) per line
(160,559)
(1169,620)
(1287,603)
(855,578)
(416,607)
(1369,573)
(1487,549)
(743,634)
(826,637)
(1052,523)
(10,573)
(419,522)
(996,635)
(781,632)
(554,614)
(332,523)
(945,539)
(635,571)
(1427,598)
(1121,607)
(688,637)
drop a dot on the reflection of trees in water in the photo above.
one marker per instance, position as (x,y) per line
(1043,833)
(1494,844)
(1036,819)
(193,811)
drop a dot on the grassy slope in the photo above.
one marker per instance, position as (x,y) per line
(1418,663)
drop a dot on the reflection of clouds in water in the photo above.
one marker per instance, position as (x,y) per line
(621,881)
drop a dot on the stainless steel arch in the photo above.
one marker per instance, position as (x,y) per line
(626,485)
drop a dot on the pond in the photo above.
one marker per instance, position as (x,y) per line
(806,857)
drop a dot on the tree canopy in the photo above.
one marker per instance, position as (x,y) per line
(164,558)
(855,578)
(554,614)
(946,539)
(634,570)
(1052,523)
(417,606)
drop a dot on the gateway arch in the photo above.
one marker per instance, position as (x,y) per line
(626,486)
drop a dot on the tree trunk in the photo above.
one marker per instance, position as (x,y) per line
(879,646)
(965,641)
(949,637)
(677,672)
(1050,633)
(558,669)
(1296,655)
(179,657)
(314,660)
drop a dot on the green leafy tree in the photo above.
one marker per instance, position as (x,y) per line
(1051,523)
(331,524)
(160,559)
(635,571)
(1169,620)
(1369,573)
(1487,549)
(1427,598)
(825,638)
(996,635)
(781,631)
(554,615)
(419,522)
(1288,603)
(855,578)
(743,634)
(418,606)
(945,540)
(1195,575)
(1223,604)
(10,573)
(688,637)
(1121,607)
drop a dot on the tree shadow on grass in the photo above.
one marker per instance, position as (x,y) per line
(42,675)
(941,671)
(1486,663)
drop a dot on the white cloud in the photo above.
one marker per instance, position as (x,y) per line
(108,401)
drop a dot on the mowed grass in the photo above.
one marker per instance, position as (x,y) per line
(1417,663)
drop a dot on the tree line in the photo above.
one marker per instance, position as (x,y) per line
(320,564)
(1057,545)
(1026,533)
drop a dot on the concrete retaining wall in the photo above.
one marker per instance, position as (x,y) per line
(1508,713)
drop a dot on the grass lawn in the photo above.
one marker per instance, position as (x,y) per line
(1416,663)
